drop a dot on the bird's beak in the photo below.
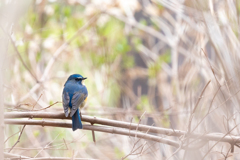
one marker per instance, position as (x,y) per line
(84,78)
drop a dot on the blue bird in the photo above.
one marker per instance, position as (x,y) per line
(74,97)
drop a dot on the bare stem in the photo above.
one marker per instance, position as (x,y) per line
(112,123)
(93,128)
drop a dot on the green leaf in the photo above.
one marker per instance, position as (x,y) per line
(67,11)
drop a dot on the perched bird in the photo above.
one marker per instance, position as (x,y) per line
(74,97)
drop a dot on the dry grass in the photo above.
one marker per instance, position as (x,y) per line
(168,65)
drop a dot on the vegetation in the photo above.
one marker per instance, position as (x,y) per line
(166,72)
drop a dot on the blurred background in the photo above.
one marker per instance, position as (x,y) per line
(139,56)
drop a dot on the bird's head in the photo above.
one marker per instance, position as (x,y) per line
(77,78)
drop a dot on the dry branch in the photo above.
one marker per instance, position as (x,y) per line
(14,156)
(93,128)
(17,157)
(113,123)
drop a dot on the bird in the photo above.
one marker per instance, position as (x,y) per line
(74,97)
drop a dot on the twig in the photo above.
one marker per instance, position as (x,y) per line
(179,148)
(219,141)
(200,97)
(18,139)
(37,101)
(19,55)
(140,120)
(132,151)
(46,146)
(11,136)
(195,107)
(93,135)
(65,143)
(47,106)
(14,156)
(214,76)
(44,158)
(52,147)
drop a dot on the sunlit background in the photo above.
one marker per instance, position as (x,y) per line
(138,56)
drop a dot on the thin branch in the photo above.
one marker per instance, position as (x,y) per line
(11,136)
(200,97)
(36,102)
(47,106)
(65,143)
(18,139)
(19,55)
(14,156)
(93,135)
(192,114)
(20,157)
(46,146)
(52,147)
(219,141)
(140,120)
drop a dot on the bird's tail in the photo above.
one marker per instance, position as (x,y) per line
(76,121)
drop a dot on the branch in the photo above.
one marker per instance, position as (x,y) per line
(17,157)
(93,128)
(14,156)
(18,139)
(96,120)
(130,126)
(19,55)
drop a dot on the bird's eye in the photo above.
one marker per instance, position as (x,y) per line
(78,79)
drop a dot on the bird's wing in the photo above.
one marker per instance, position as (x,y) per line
(65,99)
(77,99)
